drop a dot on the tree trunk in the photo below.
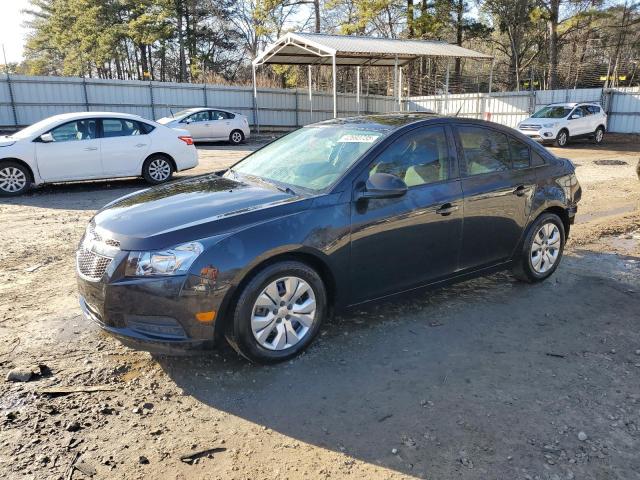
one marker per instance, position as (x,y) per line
(182,75)
(143,61)
(316,8)
(410,30)
(554,16)
(459,6)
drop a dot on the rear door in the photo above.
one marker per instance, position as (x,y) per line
(74,153)
(221,124)
(497,194)
(124,146)
(400,243)
(582,124)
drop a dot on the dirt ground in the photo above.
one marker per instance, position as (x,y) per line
(488,379)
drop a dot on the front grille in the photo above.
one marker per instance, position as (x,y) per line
(527,126)
(91,265)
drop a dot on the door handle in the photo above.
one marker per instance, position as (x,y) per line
(519,190)
(91,149)
(447,209)
(140,145)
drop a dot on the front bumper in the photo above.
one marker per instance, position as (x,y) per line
(155,314)
(542,135)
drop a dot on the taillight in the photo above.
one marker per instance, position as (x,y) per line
(186,139)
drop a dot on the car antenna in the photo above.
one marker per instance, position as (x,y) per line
(458,111)
(171,110)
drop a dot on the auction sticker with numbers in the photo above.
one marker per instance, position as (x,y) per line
(356,138)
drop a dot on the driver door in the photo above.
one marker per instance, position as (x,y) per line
(74,153)
(198,125)
(401,243)
(581,124)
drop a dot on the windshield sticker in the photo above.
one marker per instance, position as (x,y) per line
(358,138)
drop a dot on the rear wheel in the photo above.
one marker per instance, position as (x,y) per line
(14,179)
(278,313)
(562,139)
(157,169)
(236,137)
(542,249)
(598,136)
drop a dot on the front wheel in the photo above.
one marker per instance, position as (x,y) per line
(598,136)
(157,169)
(562,139)
(278,313)
(236,137)
(14,179)
(542,249)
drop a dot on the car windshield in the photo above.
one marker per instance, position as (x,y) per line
(312,157)
(183,113)
(552,112)
(30,130)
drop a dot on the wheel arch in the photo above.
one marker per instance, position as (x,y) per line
(23,163)
(160,154)
(309,258)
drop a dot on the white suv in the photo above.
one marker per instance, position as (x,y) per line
(560,122)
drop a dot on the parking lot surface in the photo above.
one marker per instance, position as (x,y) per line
(487,379)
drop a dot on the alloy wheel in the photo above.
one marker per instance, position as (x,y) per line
(599,135)
(159,169)
(236,137)
(12,179)
(283,313)
(545,248)
(562,139)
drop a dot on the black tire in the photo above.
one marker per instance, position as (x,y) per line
(598,135)
(523,268)
(157,169)
(239,332)
(236,137)
(562,139)
(15,179)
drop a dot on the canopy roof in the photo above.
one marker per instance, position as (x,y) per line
(320,49)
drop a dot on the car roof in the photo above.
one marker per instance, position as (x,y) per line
(573,104)
(80,115)
(385,122)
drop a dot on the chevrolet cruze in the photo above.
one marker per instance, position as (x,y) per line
(332,215)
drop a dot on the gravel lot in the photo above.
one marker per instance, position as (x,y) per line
(488,379)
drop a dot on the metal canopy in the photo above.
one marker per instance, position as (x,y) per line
(345,50)
(319,49)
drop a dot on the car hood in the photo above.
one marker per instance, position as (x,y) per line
(6,141)
(165,120)
(191,209)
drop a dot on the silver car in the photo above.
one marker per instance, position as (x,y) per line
(210,124)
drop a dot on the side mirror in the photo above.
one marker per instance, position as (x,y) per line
(187,120)
(383,185)
(46,138)
(574,116)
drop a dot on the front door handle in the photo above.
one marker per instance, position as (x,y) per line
(140,145)
(91,149)
(447,209)
(519,190)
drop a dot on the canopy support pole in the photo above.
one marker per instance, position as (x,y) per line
(358,88)
(335,87)
(255,99)
(395,76)
(446,88)
(491,76)
(400,89)
(310,95)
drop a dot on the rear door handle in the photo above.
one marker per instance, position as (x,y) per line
(447,209)
(519,190)
(91,149)
(140,145)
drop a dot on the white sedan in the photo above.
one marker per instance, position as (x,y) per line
(210,124)
(92,145)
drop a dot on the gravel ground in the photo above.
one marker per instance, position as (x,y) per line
(487,379)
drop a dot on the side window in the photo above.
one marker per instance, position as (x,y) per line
(199,117)
(418,157)
(218,115)
(145,128)
(577,111)
(72,131)
(520,157)
(484,150)
(537,160)
(586,111)
(116,127)
(593,109)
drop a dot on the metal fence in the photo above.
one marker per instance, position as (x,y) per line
(25,100)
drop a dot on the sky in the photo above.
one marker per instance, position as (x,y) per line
(11,31)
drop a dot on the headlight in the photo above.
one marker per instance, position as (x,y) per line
(174,261)
(550,125)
